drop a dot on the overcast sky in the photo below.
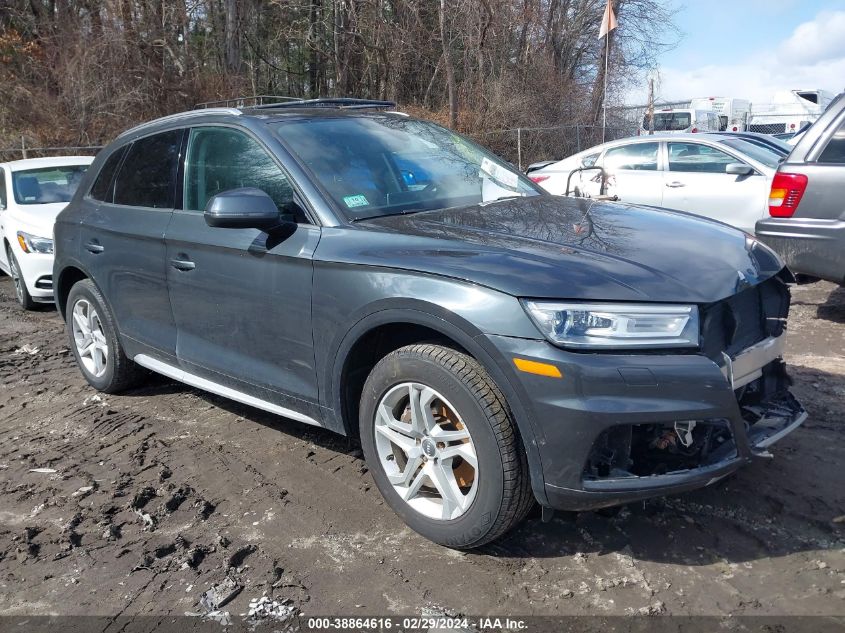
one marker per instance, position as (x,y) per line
(753,48)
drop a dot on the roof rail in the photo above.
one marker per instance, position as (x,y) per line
(345,103)
(181,115)
(246,102)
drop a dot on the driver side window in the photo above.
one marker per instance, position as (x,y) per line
(220,159)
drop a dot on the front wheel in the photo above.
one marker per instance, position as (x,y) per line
(442,446)
(21,293)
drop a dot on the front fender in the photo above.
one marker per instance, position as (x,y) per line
(352,302)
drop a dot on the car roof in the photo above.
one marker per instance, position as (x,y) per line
(663,136)
(52,161)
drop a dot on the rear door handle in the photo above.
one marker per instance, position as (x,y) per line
(675,184)
(182,264)
(94,247)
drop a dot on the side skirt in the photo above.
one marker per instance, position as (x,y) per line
(227,392)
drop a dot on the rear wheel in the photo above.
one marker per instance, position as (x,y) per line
(442,446)
(94,340)
(21,293)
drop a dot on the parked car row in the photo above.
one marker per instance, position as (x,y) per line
(491,345)
(792,197)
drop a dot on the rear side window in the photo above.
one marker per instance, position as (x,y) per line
(102,189)
(2,189)
(637,156)
(590,159)
(835,150)
(693,157)
(148,175)
(220,159)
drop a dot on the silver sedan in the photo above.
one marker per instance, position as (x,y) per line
(723,178)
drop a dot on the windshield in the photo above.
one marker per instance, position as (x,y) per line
(375,166)
(46,185)
(669,121)
(764,155)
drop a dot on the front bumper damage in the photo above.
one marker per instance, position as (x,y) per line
(620,428)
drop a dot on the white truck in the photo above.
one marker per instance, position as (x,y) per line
(789,111)
(733,113)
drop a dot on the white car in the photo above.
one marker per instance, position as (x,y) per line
(719,177)
(32,192)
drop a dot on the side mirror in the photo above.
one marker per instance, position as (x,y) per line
(739,169)
(247,208)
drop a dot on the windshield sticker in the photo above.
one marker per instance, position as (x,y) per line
(355,201)
(499,173)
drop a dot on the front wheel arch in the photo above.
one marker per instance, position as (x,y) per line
(461,336)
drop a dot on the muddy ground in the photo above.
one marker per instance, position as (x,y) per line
(161,493)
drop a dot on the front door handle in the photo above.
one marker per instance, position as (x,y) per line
(94,247)
(675,184)
(182,264)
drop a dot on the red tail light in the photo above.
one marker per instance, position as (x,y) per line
(538,179)
(735,128)
(694,130)
(786,193)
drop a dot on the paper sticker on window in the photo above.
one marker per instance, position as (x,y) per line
(499,174)
(356,201)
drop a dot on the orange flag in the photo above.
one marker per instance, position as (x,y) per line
(608,21)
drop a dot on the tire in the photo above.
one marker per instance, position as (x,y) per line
(21,293)
(483,501)
(105,365)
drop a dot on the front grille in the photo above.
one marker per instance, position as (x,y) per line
(743,319)
(767,128)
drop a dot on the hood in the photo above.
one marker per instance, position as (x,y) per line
(38,219)
(570,248)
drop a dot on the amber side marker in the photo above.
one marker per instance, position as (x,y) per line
(533,367)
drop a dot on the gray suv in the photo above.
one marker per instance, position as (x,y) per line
(387,279)
(807,201)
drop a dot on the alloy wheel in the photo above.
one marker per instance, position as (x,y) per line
(89,338)
(426,451)
(17,279)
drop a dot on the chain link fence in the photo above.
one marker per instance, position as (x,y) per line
(522,146)
(24,151)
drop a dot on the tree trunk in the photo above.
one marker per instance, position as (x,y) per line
(232,38)
(449,68)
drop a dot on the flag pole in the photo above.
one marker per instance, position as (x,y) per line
(606,57)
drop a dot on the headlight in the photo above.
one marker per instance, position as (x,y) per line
(615,325)
(34,244)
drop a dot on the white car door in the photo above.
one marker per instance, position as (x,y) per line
(634,173)
(4,204)
(695,181)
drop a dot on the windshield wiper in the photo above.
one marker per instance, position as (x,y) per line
(387,215)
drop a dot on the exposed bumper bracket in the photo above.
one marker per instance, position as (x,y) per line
(748,364)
